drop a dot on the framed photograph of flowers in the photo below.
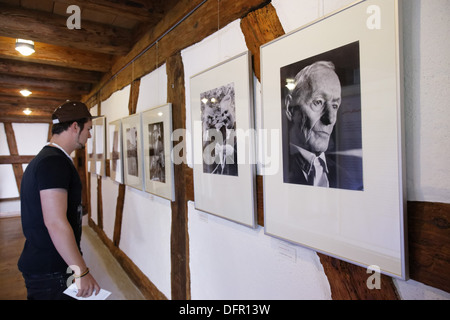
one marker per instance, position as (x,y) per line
(157,143)
(223,140)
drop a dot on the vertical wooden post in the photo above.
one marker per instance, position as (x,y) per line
(12,145)
(180,275)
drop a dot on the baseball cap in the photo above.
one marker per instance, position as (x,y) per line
(71,111)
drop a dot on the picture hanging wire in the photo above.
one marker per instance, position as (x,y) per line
(152,44)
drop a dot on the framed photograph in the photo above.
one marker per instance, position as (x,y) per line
(96,147)
(115,154)
(156,139)
(223,140)
(333,113)
(132,148)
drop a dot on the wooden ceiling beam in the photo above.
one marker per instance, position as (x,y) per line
(142,11)
(16,82)
(39,94)
(30,69)
(16,22)
(44,104)
(58,56)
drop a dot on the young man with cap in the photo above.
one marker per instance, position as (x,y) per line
(51,211)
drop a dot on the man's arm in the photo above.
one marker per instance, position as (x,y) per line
(54,208)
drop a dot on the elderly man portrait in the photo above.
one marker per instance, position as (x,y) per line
(311,110)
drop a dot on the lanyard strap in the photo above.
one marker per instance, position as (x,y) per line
(60,148)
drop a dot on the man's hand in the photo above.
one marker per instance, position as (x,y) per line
(87,286)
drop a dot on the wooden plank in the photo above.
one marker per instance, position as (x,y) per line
(15,159)
(12,145)
(119,215)
(11,245)
(260,27)
(58,56)
(142,11)
(19,118)
(30,69)
(428,240)
(179,244)
(16,22)
(69,87)
(349,282)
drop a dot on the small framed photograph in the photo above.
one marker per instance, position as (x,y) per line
(96,147)
(115,154)
(223,140)
(157,143)
(336,180)
(132,148)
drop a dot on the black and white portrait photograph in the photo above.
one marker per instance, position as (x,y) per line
(132,155)
(218,116)
(156,152)
(321,120)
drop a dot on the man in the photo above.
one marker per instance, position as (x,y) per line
(311,110)
(51,211)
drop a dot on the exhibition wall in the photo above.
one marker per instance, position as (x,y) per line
(228,260)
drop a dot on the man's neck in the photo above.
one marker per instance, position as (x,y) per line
(60,141)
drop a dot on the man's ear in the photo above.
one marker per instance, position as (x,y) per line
(74,126)
(288,103)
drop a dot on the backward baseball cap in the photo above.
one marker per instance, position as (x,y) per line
(71,111)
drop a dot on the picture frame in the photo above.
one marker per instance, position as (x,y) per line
(223,140)
(357,213)
(132,151)
(115,153)
(97,147)
(157,146)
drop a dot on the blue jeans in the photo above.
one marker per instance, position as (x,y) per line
(47,286)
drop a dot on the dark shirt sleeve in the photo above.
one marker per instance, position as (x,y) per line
(53,173)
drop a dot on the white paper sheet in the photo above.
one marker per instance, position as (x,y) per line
(73,290)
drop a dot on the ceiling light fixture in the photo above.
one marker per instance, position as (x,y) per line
(25,47)
(27,111)
(25,92)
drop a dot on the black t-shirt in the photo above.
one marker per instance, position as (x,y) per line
(50,169)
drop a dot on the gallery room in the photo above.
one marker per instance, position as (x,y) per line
(235,149)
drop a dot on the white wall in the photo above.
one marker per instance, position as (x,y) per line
(30,138)
(230,261)
(147,220)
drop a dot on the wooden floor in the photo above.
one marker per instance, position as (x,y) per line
(12,285)
(108,273)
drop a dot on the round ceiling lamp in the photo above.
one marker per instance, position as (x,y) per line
(25,47)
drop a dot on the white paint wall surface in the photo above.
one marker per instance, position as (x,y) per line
(146,224)
(229,261)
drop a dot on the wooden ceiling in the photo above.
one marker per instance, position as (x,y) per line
(67,63)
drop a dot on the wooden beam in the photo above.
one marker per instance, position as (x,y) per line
(16,22)
(260,27)
(180,274)
(201,23)
(13,151)
(349,282)
(29,69)
(428,243)
(58,56)
(68,87)
(39,94)
(41,103)
(16,118)
(15,159)
(142,11)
